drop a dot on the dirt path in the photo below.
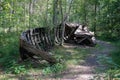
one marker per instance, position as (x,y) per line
(82,71)
(87,70)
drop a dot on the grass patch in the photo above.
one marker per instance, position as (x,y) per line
(71,56)
(116,56)
(116,53)
(67,57)
(9,52)
(56,68)
(112,62)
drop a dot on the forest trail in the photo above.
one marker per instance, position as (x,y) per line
(87,70)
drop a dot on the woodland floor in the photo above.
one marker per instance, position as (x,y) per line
(85,70)
(88,70)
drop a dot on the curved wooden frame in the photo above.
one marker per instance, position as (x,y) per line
(39,41)
(36,42)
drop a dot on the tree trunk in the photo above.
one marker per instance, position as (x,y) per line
(95,9)
(85,13)
(55,5)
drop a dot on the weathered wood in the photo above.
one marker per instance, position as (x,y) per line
(78,33)
(58,35)
(35,51)
(69,31)
(35,42)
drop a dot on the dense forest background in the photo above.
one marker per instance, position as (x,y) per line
(102,16)
(16,16)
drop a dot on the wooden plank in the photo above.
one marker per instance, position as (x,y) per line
(45,55)
(49,38)
(57,41)
(81,40)
(32,39)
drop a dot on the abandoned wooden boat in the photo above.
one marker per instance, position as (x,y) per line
(39,41)
(36,42)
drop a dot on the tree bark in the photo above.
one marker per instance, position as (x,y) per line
(95,9)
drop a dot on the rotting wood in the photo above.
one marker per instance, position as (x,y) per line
(35,42)
(45,55)
(79,33)
(38,41)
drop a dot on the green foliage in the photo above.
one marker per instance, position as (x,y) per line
(106,36)
(9,54)
(66,57)
(113,69)
(108,19)
(108,61)
(15,68)
(56,68)
(116,54)
(113,74)
(112,62)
